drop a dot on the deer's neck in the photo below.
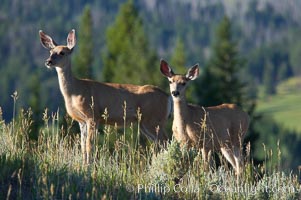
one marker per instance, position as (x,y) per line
(66,80)
(180,115)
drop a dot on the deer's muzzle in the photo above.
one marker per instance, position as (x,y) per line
(175,93)
(48,63)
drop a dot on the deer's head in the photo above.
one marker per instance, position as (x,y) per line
(59,54)
(177,82)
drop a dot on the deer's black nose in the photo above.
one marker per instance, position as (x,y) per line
(175,93)
(48,62)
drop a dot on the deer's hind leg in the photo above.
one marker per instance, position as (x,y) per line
(238,160)
(153,131)
(228,154)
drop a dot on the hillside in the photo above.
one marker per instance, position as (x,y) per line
(285,106)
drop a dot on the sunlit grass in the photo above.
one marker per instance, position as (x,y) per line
(285,106)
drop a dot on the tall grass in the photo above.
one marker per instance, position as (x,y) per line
(122,168)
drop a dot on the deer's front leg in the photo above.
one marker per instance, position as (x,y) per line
(83,138)
(91,127)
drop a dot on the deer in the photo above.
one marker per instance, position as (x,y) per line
(86,100)
(219,128)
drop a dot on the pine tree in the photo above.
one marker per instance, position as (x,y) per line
(220,81)
(268,79)
(284,71)
(128,58)
(178,57)
(83,60)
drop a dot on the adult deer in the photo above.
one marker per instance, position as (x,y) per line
(86,100)
(227,124)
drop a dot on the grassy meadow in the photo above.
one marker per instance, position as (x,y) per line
(50,167)
(285,106)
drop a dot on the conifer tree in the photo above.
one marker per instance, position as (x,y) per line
(83,60)
(220,81)
(268,79)
(178,58)
(128,58)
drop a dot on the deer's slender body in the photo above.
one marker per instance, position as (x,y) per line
(86,100)
(218,128)
(80,106)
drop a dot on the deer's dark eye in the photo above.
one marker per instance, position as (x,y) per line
(170,82)
(62,53)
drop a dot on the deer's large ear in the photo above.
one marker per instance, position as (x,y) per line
(193,72)
(71,40)
(165,69)
(47,41)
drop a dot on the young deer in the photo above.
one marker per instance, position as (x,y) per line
(227,123)
(86,100)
